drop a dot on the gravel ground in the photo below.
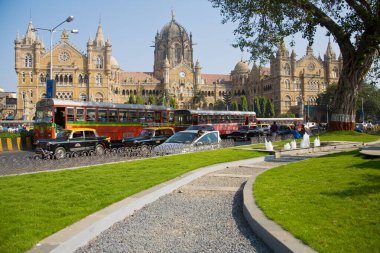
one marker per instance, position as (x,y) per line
(186,220)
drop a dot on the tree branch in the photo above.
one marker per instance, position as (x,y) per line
(363,12)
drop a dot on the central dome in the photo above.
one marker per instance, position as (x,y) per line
(173,30)
(242,66)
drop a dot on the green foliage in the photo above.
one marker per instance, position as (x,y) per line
(234,106)
(219,105)
(370,96)
(139,100)
(269,109)
(164,97)
(29,212)
(132,99)
(244,103)
(173,103)
(287,115)
(18,134)
(262,105)
(227,98)
(256,105)
(152,100)
(198,99)
(323,201)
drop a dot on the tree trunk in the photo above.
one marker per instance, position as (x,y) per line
(352,75)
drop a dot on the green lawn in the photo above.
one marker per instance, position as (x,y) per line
(35,206)
(332,203)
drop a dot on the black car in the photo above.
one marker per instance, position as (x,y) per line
(152,136)
(245,133)
(73,141)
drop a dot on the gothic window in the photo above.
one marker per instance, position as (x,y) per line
(287,69)
(28,61)
(42,78)
(99,80)
(66,79)
(335,72)
(287,101)
(56,78)
(83,97)
(70,79)
(299,101)
(85,80)
(31,93)
(61,79)
(99,97)
(99,62)
(177,54)
(297,85)
(287,84)
(23,77)
(31,77)
(80,79)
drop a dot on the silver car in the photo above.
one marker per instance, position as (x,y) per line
(189,141)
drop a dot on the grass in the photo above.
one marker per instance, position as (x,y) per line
(35,206)
(331,203)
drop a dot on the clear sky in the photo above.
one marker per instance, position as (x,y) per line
(131,26)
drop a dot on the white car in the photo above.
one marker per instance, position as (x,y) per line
(310,124)
(188,141)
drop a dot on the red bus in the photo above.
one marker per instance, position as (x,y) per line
(225,122)
(109,119)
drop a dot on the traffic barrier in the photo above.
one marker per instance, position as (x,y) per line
(14,144)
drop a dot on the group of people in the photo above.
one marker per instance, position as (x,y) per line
(297,129)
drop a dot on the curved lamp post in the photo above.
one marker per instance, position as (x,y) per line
(50,84)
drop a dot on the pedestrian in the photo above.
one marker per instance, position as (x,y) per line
(273,130)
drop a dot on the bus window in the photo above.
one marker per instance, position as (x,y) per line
(102,115)
(149,116)
(91,114)
(70,114)
(113,115)
(141,116)
(157,117)
(123,116)
(164,117)
(222,119)
(171,117)
(80,114)
(228,119)
(133,116)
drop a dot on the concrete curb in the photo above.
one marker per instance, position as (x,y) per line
(80,233)
(270,232)
(15,144)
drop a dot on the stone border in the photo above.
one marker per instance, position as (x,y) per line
(271,233)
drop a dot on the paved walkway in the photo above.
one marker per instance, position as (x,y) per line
(201,211)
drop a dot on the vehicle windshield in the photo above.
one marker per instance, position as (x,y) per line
(146,133)
(243,128)
(182,137)
(65,134)
(44,115)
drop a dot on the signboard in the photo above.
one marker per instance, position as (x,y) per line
(50,88)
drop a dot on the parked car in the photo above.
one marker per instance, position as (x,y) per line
(187,141)
(285,129)
(265,128)
(245,132)
(151,136)
(74,141)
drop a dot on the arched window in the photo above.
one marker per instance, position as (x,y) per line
(287,69)
(299,101)
(287,84)
(177,54)
(42,78)
(99,62)
(335,72)
(98,97)
(23,77)
(80,79)
(288,102)
(31,77)
(28,61)
(83,97)
(85,79)
(99,80)
(70,79)
(297,85)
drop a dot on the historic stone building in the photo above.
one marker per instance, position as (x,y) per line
(97,76)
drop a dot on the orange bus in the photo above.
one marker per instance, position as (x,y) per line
(109,119)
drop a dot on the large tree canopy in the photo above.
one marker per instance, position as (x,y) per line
(354,24)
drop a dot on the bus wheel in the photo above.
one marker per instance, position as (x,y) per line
(76,154)
(99,150)
(60,153)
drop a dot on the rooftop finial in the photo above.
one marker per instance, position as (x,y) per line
(173,14)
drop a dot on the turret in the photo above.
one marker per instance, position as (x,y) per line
(166,67)
(108,56)
(293,62)
(198,78)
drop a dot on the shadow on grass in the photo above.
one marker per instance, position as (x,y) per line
(372,186)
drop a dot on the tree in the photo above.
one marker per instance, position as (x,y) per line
(139,100)
(369,102)
(152,100)
(227,99)
(262,105)
(219,105)
(354,25)
(256,105)
(164,97)
(234,106)
(198,99)
(132,99)
(244,103)
(269,109)
(173,103)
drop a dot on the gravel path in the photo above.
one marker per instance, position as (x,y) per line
(203,216)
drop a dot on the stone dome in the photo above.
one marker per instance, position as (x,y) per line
(241,66)
(114,62)
(174,30)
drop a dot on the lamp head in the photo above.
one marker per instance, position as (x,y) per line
(74,31)
(69,18)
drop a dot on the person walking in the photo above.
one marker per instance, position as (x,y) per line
(274,130)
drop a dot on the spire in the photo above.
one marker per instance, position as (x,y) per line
(173,15)
(329,51)
(309,50)
(197,65)
(99,38)
(30,35)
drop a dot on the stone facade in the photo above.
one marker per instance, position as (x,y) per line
(96,75)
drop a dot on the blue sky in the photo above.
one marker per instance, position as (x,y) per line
(131,26)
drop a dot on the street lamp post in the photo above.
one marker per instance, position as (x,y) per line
(363,109)
(50,84)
